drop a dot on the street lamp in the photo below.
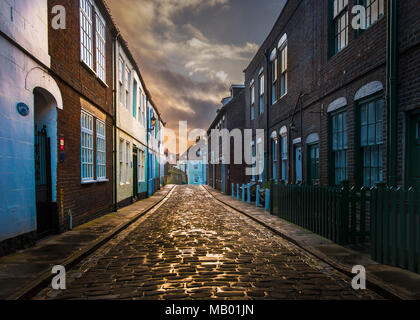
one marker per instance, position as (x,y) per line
(153,123)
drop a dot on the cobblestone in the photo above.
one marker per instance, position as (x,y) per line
(192,247)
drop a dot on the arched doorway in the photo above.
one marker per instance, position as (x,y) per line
(45,151)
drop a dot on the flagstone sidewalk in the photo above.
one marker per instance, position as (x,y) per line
(390,282)
(25,271)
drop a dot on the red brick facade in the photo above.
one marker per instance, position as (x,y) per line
(81,89)
(316,78)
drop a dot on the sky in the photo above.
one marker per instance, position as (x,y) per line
(190,51)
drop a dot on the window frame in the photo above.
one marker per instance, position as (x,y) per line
(379,145)
(274,80)
(312,180)
(100,43)
(86,32)
(100,150)
(336,15)
(284,157)
(344,149)
(261,92)
(283,53)
(87,150)
(252,101)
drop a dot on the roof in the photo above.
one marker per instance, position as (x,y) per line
(119,37)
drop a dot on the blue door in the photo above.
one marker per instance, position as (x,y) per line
(151,175)
(298,157)
(223,178)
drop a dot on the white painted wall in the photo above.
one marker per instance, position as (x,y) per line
(129,128)
(24,21)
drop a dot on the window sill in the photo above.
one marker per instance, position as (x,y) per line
(84,182)
(93,72)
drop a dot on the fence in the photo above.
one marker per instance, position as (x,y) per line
(387,218)
(396,227)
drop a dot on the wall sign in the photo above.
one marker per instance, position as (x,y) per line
(23,109)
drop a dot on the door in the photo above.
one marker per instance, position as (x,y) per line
(135,174)
(44,206)
(313,165)
(414,169)
(298,158)
(223,178)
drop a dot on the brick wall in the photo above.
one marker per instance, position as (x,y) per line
(80,87)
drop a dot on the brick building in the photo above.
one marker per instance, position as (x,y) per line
(231,116)
(328,97)
(81,63)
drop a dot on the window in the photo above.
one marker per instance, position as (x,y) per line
(252,98)
(371,141)
(261,93)
(135,99)
(100,47)
(91,22)
(339,146)
(260,159)
(127,87)
(141,165)
(127,162)
(140,107)
(341,25)
(121,79)
(86,32)
(87,146)
(121,157)
(100,150)
(313,164)
(254,153)
(274,69)
(283,71)
(374,11)
(275,158)
(284,159)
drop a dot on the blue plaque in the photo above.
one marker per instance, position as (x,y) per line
(23,109)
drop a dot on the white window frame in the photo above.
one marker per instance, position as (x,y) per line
(127,87)
(127,162)
(341,24)
(87,148)
(261,81)
(100,150)
(86,36)
(121,79)
(121,160)
(283,69)
(100,46)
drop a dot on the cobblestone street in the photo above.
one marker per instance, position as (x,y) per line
(194,247)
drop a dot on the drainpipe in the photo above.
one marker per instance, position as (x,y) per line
(267,66)
(392,89)
(115,123)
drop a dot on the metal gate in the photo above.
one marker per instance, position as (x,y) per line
(45,212)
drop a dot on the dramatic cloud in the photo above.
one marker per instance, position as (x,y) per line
(190,51)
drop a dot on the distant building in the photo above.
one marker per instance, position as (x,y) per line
(231,116)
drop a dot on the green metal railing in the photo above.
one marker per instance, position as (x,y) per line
(387,218)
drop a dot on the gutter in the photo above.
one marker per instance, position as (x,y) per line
(115,123)
(392,90)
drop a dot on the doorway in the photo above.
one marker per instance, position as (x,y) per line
(298,166)
(414,152)
(45,162)
(313,165)
(135,174)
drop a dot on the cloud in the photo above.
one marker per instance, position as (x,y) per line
(186,71)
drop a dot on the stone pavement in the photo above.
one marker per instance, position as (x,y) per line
(193,247)
(391,282)
(25,270)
